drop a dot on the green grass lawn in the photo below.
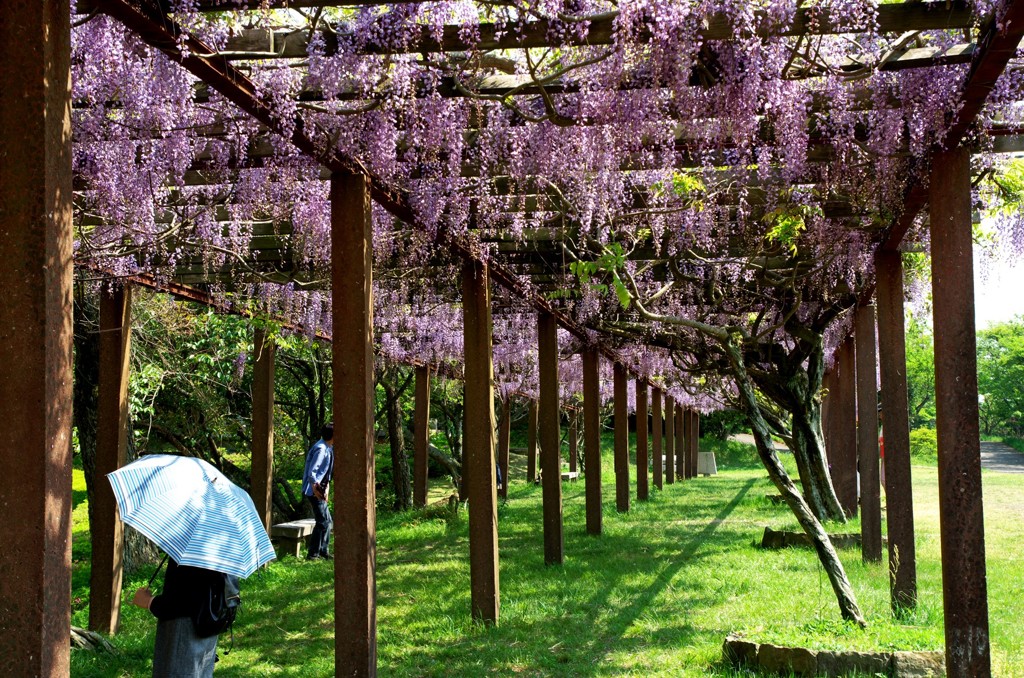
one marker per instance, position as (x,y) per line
(654,595)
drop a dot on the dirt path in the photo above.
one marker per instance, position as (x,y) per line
(995,456)
(1001,458)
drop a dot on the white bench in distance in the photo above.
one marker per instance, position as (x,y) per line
(291,537)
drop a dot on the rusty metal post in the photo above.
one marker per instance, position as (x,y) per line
(867,436)
(35,338)
(531,442)
(550,438)
(479,442)
(261,473)
(111,445)
(658,435)
(683,450)
(592,437)
(355,518)
(574,434)
(504,433)
(843,415)
(670,440)
(961,523)
(899,501)
(641,440)
(694,441)
(421,436)
(621,408)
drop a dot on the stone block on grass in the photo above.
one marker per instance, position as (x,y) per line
(775,659)
(918,665)
(739,652)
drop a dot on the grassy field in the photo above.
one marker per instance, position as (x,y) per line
(654,595)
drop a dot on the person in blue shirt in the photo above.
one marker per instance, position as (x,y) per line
(316,478)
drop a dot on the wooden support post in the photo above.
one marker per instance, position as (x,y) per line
(479,442)
(867,436)
(421,436)
(574,435)
(621,406)
(531,442)
(35,338)
(111,444)
(550,438)
(694,441)
(641,441)
(670,440)
(962,527)
(896,432)
(658,436)
(504,433)
(355,519)
(592,437)
(843,414)
(261,474)
(682,442)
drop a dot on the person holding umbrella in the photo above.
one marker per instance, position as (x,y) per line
(316,476)
(180,651)
(209,528)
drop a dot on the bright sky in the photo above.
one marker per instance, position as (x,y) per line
(999,294)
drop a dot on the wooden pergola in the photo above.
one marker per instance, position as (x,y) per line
(36,233)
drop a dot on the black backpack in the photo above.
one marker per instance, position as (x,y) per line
(218,608)
(217,612)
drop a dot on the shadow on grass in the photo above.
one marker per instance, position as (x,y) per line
(577,614)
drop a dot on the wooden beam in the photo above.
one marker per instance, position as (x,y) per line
(550,439)
(479,443)
(996,45)
(111,448)
(36,337)
(867,435)
(621,405)
(961,514)
(670,440)
(355,519)
(504,433)
(694,450)
(294,44)
(658,434)
(262,471)
(592,437)
(896,432)
(531,441)
(421,436)
(843,439)
(642,474)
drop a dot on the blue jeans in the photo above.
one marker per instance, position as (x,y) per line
(321,537)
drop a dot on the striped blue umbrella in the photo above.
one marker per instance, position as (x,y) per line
(193,512)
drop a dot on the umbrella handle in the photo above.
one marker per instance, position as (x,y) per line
(158,567)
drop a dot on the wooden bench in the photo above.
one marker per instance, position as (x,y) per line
(290,537)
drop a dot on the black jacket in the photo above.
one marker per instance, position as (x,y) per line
(186,588)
